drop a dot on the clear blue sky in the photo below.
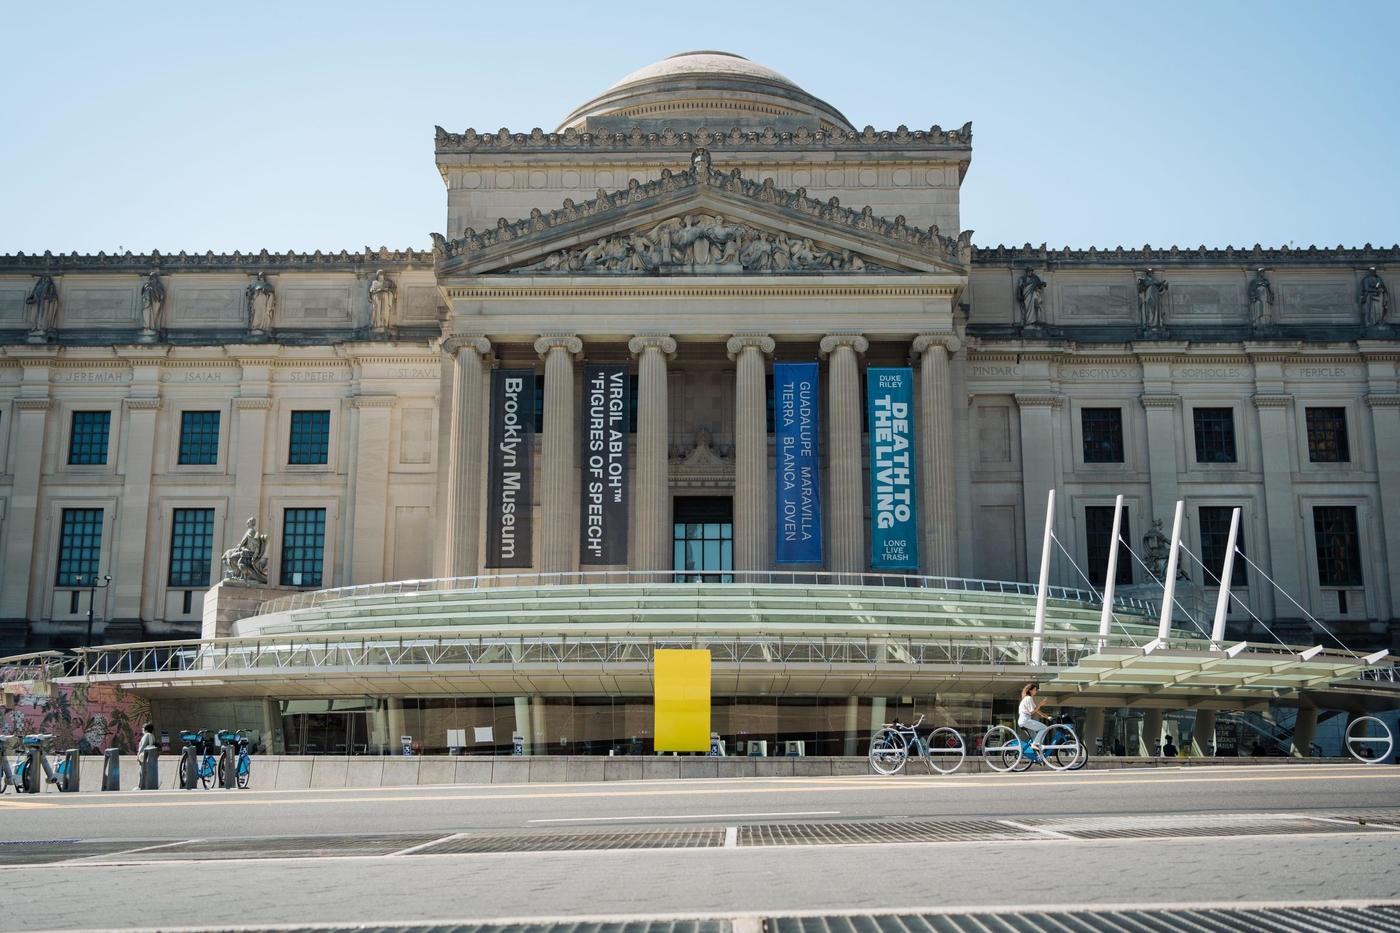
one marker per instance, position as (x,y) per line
(291,125)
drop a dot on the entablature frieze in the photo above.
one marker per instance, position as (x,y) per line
(1246,259)
(364,262)
(650,288)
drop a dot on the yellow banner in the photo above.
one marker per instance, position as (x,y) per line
(682,700)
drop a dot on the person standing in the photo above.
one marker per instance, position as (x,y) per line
(146,751)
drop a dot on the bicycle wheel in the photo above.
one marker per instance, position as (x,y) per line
(1082,759)
(21,784)
(946,750)
(245,771)
(1059,747)
(1001,749)
(207,770)
(888,752)
(183,776)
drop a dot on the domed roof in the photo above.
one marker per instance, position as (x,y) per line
(719,90)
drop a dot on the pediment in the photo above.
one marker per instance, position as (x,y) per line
(702,222)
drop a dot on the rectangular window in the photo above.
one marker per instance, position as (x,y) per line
(1103,434)
(88,445)
(703,539)
(1338,545)
(311,437)
(1327,435)
(1098,537)
(303,546)
(1215,535)
(1215,435)
(79,546)
(199,438)
(191,547)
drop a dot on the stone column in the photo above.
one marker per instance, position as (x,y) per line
(1039,462)
(1151,735)
(1280,500)
(1203,734)
(1385,424)
(1093,728)
(935,446)
(131,544)
(1304,731)
(20,520)
(843,453)
(371,487)
(852,746)
(651,472)
(251,413)
(559,480)
(751,480)
(469,403)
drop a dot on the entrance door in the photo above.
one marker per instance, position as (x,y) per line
(703,539)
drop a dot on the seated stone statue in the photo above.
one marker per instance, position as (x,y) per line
(246,561)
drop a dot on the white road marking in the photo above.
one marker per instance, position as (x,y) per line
(1036,829)
(731,837)
(431,842)
(690,816)
(1353,823)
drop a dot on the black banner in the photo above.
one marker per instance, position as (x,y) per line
(607,394)
(508,494)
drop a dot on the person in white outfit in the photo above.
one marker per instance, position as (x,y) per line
(1029,716)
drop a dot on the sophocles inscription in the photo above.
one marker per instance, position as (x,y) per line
(1211,372)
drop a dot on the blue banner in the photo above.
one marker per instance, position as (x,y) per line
(894,541)
(796,429)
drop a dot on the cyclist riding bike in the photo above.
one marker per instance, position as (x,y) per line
(1029,715)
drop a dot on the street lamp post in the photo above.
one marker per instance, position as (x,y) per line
(92,586)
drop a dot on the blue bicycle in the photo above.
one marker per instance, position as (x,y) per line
(243,767)
(206,759)
(207,767)
(1005,749)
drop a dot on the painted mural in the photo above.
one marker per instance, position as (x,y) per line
(90,718)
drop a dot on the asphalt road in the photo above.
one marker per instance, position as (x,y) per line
(1043,870)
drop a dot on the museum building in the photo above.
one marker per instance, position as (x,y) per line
(705,364)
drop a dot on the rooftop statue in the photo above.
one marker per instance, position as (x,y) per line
(1374,299)
(1029,299)
(42,304)
(152,303)
(262,304)
(246,561)
(1152,301)
(1261,301)
(383,304)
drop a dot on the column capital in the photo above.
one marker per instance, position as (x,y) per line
(739,342)
(925,342)
(831,341)
(566,342)
(476,342)
(141,403)
(663,342)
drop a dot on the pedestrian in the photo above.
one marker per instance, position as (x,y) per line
(145,749)
(1168,749)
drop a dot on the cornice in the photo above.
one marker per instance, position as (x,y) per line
(1217,359)
(295,362)
(767,139)
(253,403)
(651,288)
(1160,400)
(1377,400)
(372,401)
(33,404)
(1070,359)
(1245,258)
(1273,400)
(385,359)
(263,261)
(141,404)
(185,363)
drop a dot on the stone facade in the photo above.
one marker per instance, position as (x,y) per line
(641,231)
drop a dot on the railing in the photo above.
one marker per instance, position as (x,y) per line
(286,654)
(1383,674)
(314,598)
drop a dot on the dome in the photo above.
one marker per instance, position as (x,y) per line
(719,90)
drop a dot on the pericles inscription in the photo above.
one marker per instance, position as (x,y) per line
(1325,372)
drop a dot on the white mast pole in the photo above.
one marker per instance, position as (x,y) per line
(1222,602)
(1106,619)
(1164,626)
(1038,640)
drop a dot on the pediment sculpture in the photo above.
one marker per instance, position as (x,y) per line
(701,243)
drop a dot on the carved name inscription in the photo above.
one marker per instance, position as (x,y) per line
(98,376)
(1098,372)
(1326,372)
(995,371)
(1210,372)
(314,375)
(416,372)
